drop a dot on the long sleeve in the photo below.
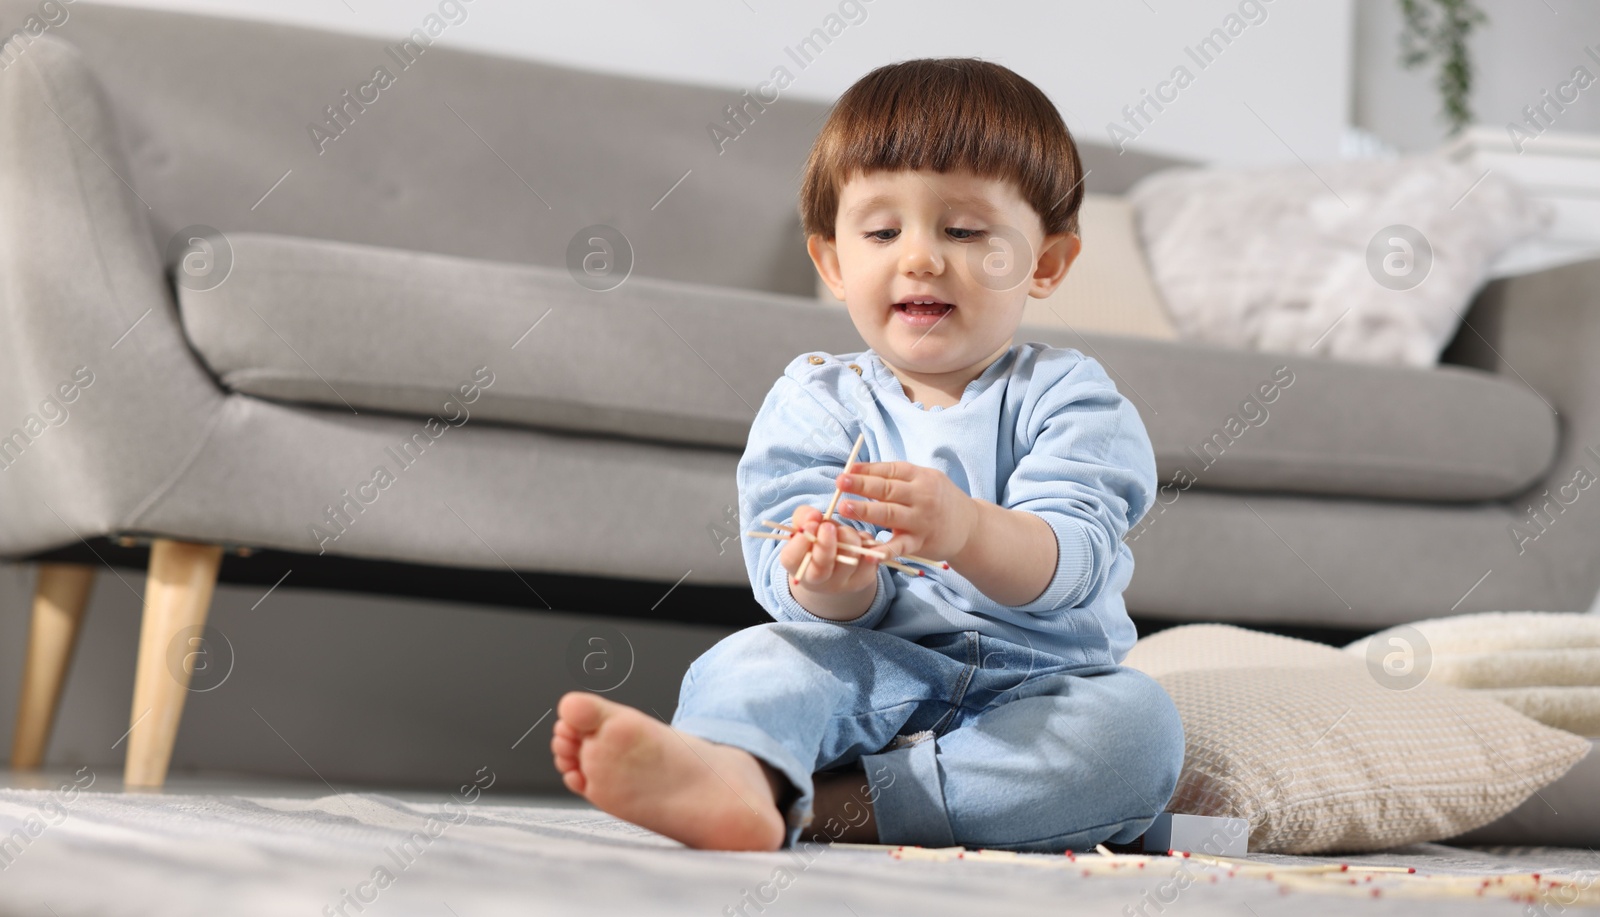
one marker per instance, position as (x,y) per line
(1090,473)
(794,451)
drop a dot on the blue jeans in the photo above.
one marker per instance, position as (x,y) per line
(962,738)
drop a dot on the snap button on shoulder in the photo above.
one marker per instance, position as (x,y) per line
(856,368)
(816,360)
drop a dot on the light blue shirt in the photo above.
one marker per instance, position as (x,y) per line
(1042,429)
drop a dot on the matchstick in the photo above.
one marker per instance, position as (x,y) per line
(1321,878)
(845,559)
(806,563)
(865,552)
(844,546)
(942,564)
(838,491)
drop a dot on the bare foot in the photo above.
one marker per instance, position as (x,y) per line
(700,793)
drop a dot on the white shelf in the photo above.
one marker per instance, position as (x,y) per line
(1561,169)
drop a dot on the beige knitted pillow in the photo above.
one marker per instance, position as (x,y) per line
(1109,288)
(1302,741)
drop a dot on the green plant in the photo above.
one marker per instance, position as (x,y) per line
(1439,29)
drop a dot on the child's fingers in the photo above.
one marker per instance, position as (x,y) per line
(897,547)
(808,557)
(794,548)
(824,551)
(862,574)
(874,487)
(853,577)
(824,572)
(863,540)
(849,534)
(872,544)
(885,515)
(794,552)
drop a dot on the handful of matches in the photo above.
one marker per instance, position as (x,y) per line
(790,531)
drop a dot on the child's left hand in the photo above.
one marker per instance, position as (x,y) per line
(926,511)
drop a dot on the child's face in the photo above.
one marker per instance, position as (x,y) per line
(971,242)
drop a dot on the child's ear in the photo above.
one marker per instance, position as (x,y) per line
(825,255)
(1056,254)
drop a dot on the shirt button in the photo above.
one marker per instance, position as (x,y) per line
(856,368)
(816,360)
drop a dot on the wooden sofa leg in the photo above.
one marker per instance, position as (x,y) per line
(177,596)
(59,600)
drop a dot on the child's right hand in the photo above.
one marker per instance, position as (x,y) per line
(825,574)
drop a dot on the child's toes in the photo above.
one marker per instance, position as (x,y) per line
(563,747)
(574,780)
(580,710)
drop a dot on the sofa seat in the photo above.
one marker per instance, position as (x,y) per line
(364,328)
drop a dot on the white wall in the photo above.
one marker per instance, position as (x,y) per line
(1525,48)
(1092,57)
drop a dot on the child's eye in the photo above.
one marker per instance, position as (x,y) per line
(970,234)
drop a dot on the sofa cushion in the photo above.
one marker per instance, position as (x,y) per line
(1221,418)
(356,328)
(360,327)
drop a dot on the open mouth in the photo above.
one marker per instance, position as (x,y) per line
(920,314)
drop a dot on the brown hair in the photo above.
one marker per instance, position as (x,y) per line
(942,114)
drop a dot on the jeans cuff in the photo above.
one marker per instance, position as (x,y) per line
(747,737)
(909,808)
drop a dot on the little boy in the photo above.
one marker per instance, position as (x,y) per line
(982,705)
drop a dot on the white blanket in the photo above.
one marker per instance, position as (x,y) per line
(1545,664)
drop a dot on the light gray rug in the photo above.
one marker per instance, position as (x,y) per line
(371,854)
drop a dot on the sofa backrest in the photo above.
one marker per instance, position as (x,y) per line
(227,123)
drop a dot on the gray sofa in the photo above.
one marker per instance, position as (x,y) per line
(399,283)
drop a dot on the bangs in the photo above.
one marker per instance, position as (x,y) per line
(942,115)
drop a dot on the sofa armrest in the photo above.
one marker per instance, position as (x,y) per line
(1542,330)
(100,397)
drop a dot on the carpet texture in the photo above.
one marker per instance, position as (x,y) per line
(372,854)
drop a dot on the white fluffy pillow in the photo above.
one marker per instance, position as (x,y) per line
(1293,260)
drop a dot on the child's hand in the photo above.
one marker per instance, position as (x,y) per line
(825,574)
(927,512)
